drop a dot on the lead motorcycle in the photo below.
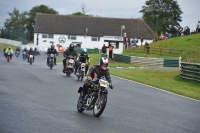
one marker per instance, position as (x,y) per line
(96,97)
(70,63)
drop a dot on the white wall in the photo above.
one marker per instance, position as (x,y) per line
(11,42)
(86,42)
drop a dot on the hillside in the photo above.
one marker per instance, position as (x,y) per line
(187,47)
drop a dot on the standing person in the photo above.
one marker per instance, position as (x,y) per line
(147,46)
(141,39)
(110,47)
(198,27)
(135,41)
(103,50)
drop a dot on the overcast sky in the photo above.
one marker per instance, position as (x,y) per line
(103,8)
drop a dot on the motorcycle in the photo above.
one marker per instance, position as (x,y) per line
(96,97)
(37,52)
(17,54)
(24,56)
(69,68)
(30,59)
(51,61)
(81,71)
(8,57)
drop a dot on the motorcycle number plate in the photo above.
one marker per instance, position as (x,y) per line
(51,55)
(8,53)
(71,61)
(31,56)
(103,83)
(83,64)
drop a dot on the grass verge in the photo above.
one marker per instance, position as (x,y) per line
(163,79)
(2,46)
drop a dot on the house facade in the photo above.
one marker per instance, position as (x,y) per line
(86,32)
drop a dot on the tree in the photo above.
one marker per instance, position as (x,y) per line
(161,15)
(17,20)
(32,15)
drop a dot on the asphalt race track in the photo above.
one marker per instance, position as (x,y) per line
(35,99)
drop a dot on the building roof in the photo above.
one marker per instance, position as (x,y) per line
(97,26)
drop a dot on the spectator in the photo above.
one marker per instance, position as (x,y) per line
(141,39)
(155,39)
(180,31)
(103,50)
(198,27)
(168,35)
(135,41)
(110,47)
(146,45)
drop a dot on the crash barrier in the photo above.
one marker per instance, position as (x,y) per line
(190,71)
(144,61)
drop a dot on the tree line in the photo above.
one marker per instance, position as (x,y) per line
(160,15)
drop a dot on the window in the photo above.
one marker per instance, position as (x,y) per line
(72,37)
(47,35)
(95,38)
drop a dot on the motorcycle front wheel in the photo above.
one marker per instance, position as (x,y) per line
(100,105)
(79,105)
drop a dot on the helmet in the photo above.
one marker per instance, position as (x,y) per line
(103,63)
(71,46)
(31,48)
(9,46)
(84,51)
(52,46)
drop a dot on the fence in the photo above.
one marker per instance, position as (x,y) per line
(89,51)
(190,71)
(147,61)
(17,35)
(187,55)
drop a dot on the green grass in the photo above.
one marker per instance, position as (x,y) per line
(2,46)
(190,42)
(163,79)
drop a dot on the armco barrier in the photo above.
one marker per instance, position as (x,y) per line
(190,71)
(144,61)
(122,58)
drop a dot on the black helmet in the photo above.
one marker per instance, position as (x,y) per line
(71,46)
(31,48)
(52,46)
(103,63)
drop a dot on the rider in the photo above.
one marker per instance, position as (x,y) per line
(31,52)
(53,51)
(68,52)
(83,56)
(17,49)
(100,70)
(9,50)
(4,52)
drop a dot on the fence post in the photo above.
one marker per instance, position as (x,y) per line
(180,63)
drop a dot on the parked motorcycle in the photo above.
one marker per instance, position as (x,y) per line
(17,54)
(24,55)
(8,57)
(81,71)
(96,97)
(70,63)
(30,59)
(51,61)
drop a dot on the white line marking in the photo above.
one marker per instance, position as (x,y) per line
(157,88)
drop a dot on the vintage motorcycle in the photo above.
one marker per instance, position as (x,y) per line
(51,61)
(96,97)
(17,54)
(24,55)
(81,71)
(8,56)
(30,59)
(70,63)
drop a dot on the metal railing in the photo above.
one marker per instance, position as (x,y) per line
(190,71)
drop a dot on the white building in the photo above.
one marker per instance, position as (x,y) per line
(86,32)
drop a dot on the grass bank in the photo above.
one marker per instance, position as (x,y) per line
(163,79)
(2,46)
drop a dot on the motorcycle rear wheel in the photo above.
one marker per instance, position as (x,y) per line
(100,105)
